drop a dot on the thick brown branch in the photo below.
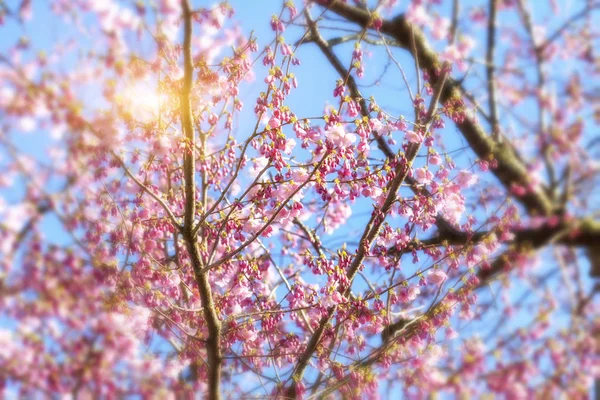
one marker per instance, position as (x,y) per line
(584,233)
(579,233)
(189,159)
(511,168)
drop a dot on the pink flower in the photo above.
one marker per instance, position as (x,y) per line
(453,207)
(436,277)
(377,23)
(174,280)
(276,24)
(440,27)
(423,175)
(418,15)
(340,88)
(451,333)
(414,137)
(162,146)
(408,294)
(274,123)
(247,335)
(339,137)
(149,245)
(334,299)
(289,146)
(466,179)
(435,159)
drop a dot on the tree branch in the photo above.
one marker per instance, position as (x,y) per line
(511,168)
(369,234)
(213,345)
(490,67)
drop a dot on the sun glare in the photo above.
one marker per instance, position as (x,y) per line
(142,101)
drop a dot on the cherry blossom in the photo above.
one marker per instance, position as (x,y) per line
(340,199)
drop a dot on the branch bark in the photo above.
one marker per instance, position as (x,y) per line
(211,317)
(511,169)
(370,232)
